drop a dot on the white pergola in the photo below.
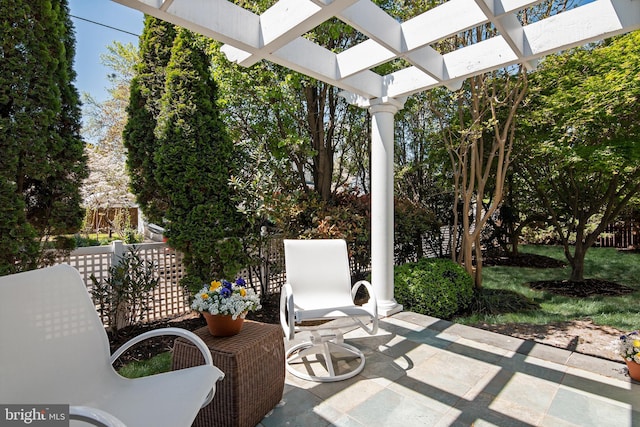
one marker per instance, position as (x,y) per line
(277,35)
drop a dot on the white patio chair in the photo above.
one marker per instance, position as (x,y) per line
(318,289)
(54,350)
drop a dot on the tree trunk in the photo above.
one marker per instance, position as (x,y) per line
(577,263)
(477,274)
(320,141)
(515,238)
(467,254)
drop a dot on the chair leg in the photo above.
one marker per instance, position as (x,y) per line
(329,346)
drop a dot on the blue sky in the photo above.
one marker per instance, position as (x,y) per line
(92,40)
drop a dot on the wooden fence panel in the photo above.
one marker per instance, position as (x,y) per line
(622,235)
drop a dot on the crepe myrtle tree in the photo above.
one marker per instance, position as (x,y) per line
(195,161)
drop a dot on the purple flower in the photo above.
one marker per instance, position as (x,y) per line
(225,292)
(240,281)
(226,284)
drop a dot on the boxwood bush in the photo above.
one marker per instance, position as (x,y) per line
(433,286)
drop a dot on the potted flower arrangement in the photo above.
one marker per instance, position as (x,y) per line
(628,346)
(225,304)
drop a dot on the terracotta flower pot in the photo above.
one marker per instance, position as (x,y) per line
(634,370)
(223,325)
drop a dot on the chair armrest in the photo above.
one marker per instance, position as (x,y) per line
(286,311)
(183,333)
(373,303)
(94,416)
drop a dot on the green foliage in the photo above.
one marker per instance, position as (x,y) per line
(139,135)
(194,163)
(82,241)
(122,227)
(347,217)
(297,132)
(42,152)
(433,286)
(412,223)
(18,244)
(123,296)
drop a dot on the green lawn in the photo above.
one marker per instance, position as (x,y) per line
(622,312)
(157,364)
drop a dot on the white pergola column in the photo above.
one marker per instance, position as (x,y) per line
(382,143)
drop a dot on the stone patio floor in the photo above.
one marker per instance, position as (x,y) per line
(423,371)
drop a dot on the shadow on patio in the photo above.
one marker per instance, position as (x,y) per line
(422,371)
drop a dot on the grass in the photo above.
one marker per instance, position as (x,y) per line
(506,289)
(143,368)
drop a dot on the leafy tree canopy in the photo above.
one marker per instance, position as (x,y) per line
(580,139)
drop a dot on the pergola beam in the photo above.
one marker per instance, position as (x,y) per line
(576,27)
(277,35)
(218,19)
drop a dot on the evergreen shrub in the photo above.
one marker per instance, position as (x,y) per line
(433,286)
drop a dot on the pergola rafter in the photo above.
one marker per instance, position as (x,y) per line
(277,35)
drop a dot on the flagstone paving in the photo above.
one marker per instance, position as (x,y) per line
(423,371)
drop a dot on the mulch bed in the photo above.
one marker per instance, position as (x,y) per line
(521,260)
(580,289)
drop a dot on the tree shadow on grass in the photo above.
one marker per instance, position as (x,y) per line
(581,289)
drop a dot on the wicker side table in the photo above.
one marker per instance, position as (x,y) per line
(253,364)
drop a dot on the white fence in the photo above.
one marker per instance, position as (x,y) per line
(167,300)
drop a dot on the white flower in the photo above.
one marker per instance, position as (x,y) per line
(628,346)
(224,297)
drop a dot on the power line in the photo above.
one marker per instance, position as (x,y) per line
(104,25)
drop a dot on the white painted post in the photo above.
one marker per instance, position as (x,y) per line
(382,142)
(117,252)
(122,310)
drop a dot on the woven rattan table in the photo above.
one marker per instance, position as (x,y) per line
(253,364)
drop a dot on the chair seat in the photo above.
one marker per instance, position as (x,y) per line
(174,396)
(331,313)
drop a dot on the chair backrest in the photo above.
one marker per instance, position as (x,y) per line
(318,272)
(53,347)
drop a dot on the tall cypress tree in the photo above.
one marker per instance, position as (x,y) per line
(194,164)
(42,164)
(54,202)
(139,136)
